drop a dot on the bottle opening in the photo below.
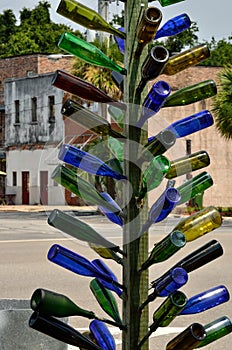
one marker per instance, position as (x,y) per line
(153,14)
(159,53)
(179,299)
(198,331)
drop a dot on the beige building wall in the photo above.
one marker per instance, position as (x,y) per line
(219,149)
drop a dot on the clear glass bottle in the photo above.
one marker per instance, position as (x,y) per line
(188,339)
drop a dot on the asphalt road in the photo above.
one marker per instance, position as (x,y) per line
(25,239)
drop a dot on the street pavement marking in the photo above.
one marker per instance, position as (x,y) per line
(34,240)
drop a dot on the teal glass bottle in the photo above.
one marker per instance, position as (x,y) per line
(188,164)
(198,184)
(87,52)
(216,330)
(188,339)
(191,94)
(86,17)
(164,249)
(82,188)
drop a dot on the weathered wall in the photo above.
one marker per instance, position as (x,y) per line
(209,139)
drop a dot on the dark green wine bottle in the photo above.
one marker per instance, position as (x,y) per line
(216,330)
(200,223)
(190,188)
(87,52)
(86,17)
(79,114)
(164,249)
(187,164)
(188,339)
(54,304)
(191,94)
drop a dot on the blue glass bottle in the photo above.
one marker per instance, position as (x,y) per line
(162,207)
(191,124)
(154,101)
(109,214)
(100,265)
(86,161)
(206,300)
(198,258)
(176,279)
(120,41)
(76,263)
(174,26)
(102,335)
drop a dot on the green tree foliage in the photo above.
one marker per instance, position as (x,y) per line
(220,53)
(36,33)
(222,103)
(184,40)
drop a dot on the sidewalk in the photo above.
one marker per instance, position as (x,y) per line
(78,210)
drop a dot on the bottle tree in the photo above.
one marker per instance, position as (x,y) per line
(139,163)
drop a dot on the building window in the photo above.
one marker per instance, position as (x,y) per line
(34,109)
(51,106)
(14,178)
(17,105)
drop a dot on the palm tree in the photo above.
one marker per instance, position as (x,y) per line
(222,103)
(98,76)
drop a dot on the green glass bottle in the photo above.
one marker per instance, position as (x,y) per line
(106,253)
(200,223)
(191,94)
(190,188)
(188,339)
(167,2)
(164,249)
(160,143)
(166,312)
(117,114)
(154,174)
(79,114)
(186,59)
(75,184)
(77,229)
(86,17)
(87,52)
(58,305)
(105,299)
(216,330)
(147,27)
(187,164)
(116,148)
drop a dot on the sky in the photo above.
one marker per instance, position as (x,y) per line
(213,17)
